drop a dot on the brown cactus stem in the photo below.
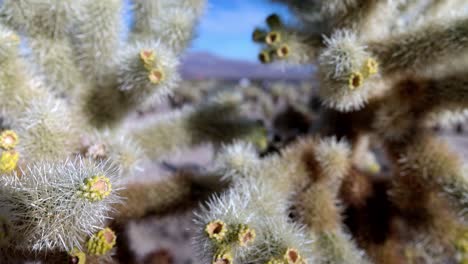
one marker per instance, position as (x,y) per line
(371,216)
(180,192)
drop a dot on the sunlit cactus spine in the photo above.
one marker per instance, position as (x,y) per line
(386,71)
(49,193)
(71,82)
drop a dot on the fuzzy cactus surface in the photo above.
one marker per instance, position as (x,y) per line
(73,76)
(387,71)
(355,175)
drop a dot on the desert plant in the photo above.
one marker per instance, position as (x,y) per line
(70,80)
(386,69)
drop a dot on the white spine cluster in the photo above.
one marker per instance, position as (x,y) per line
(155,75)
(252,203)
(344,73)
(172,22)
(48,210)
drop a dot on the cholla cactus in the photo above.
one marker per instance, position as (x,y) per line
(386,70)
(69,81)
(41,197)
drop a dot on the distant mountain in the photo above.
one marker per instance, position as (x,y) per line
(201,65)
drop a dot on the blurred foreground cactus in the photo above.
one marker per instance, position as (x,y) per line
(72,76)
(386,72)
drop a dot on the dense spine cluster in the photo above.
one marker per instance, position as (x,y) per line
(72,74)
(386,72)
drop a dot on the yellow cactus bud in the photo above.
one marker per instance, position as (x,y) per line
(147,57)
(283,51)
(371,67)
(102,242)
(77,256)
(292,256)
(273,37)
(8,139)
(245,235)
(355,80)
(216,230)
(223,256)
(96,188)
(259,35)
(8,161)
(156,76)
(264,57)
(274,21)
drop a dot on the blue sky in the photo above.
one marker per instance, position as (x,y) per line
(227,25)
